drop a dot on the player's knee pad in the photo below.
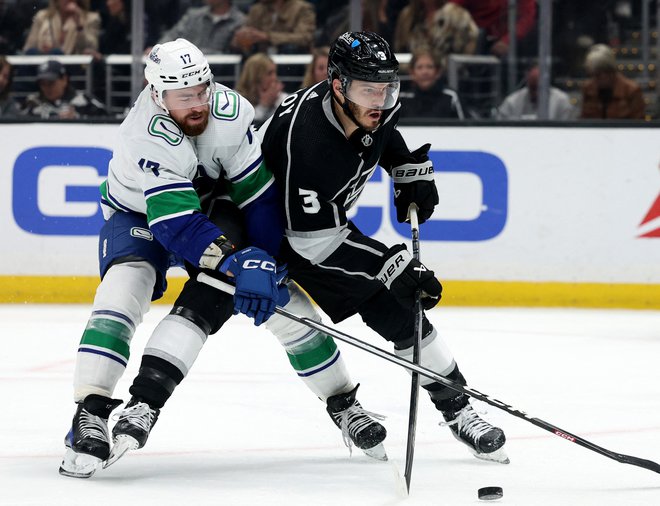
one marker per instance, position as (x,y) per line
(176,340)
(434,354)
(126,289)
(120,303)
(290,333)
(207,307)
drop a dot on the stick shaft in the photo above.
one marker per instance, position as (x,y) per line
(417,345)
(428,373)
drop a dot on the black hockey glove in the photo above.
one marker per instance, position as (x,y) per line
(403,276)
(414,183)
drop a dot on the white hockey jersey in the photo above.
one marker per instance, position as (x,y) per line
(154,163)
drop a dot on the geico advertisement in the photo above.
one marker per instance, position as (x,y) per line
(527,204)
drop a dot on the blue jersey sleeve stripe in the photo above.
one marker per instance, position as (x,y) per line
(172,186)
(244,174)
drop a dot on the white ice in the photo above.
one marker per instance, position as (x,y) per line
(243,430)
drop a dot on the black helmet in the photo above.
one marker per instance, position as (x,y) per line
(365,56)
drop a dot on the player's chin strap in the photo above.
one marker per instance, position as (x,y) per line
(345,108)
(428,373)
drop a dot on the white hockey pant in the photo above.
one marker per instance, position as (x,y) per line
(122,299)
(313,355)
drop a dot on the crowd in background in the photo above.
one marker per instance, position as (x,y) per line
(586,35)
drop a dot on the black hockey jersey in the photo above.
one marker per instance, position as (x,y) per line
(321,174)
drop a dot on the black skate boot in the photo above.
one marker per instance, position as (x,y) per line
(88,440)
(483,440)
(134,423)
(358,426)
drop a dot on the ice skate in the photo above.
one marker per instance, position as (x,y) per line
(134,423)
(483,440)
(358,426)
(88,441)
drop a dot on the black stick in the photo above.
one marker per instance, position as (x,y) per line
(428,373)
(417,345)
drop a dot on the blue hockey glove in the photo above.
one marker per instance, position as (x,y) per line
(256,283)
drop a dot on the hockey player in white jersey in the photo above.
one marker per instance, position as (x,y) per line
(186,161)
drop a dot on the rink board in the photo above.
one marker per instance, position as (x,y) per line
(527,215)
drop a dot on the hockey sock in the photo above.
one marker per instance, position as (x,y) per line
(102,355)
(313,355)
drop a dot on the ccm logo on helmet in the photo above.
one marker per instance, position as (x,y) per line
(189,74)
(264,265)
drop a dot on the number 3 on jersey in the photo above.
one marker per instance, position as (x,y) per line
(311,204)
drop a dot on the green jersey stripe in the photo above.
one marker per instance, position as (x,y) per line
(245,189)
(161,205)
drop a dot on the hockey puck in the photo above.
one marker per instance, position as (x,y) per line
(490,493)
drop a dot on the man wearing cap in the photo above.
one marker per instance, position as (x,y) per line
(57,99)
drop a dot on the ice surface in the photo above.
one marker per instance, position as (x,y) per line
(243,430)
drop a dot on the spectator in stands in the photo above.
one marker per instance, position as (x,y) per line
(428,97)
(277,26)
(337,21)
(523,103)
(116,35)
(8,106)
(608,94)
(447,28)
(57,99)
(13,24)
(259,83)
(493,17)
(64,27)
(211,28)
(317,69)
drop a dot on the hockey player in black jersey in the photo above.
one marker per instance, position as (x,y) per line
(323,143)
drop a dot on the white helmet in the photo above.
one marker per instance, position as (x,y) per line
(175,65)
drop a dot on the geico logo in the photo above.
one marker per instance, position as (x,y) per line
(413,171)
(55,189)
(55,192)
(264,265)
(183,76)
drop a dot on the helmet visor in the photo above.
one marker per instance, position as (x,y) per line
(379,96)
(187,98)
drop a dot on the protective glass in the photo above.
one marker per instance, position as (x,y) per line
(379,96)
(187,98)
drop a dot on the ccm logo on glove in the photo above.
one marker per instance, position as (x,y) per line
(264,265)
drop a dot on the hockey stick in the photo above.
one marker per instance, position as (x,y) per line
(428,373)
(417,344)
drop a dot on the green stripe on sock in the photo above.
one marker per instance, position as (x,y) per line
(108,334)
(314,357)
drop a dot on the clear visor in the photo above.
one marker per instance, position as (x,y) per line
(379,96)
(187,98)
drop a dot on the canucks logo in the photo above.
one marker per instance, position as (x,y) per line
(367,140)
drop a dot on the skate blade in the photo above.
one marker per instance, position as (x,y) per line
(376,452)
(79,465)
(122,444)
(498,456)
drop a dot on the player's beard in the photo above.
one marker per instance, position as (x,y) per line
(198,127)
(363,118)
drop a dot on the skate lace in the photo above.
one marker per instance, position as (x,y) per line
(139,415)
(92,426)
(353,420)
(469,423)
